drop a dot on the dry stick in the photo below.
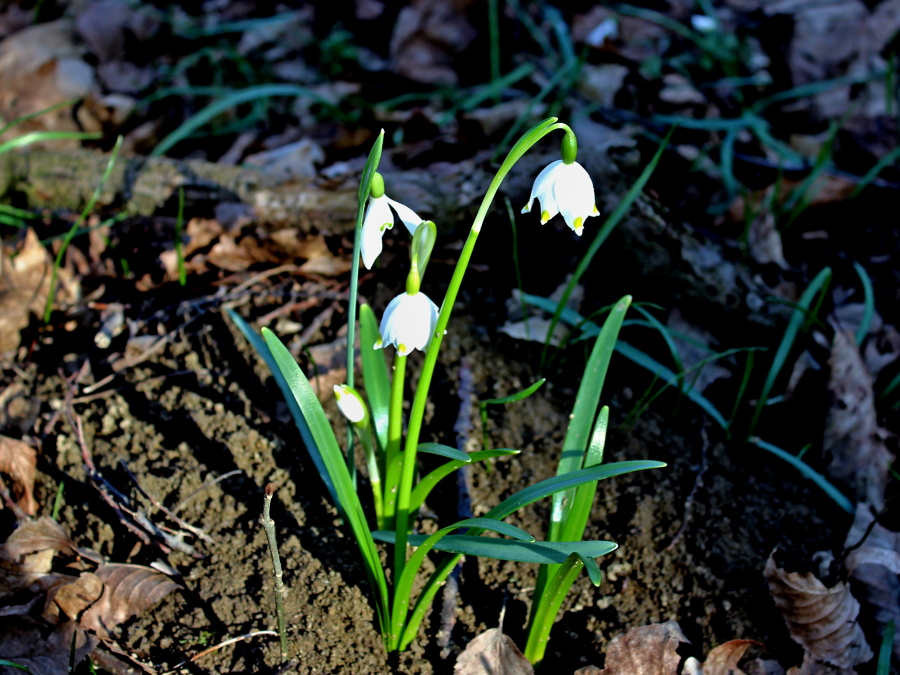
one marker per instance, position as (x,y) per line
(219,646)
(463,428)
(269,526)
(689,502)
(196,531)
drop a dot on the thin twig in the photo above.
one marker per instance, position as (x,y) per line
(219,646)
(689,502)
(196,531)
(269,526)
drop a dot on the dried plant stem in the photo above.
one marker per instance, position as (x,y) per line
(269,526)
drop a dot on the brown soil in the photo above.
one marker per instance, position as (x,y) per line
(693,537)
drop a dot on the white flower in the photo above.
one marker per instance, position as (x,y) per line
(349,403)
(380,218)
(566,189)
(408,323)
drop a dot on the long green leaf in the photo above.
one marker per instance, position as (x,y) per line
(836,495)
(868,303)
(232,100)
(444,451)
(576,522)
(584,412)
(426,485)
(787,341)
(404,589)
(375,373)
(508,506)
(547,604)
(540,552)
(321,439)
(260,347)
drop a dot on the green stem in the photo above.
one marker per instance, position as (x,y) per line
(548,604)
(395,434)
(421,396)
(351,327)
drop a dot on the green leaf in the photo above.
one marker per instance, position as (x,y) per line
(426,485)
(518,396)
(585,411)
(798,319)
(372,161)
(547,487)
(375,373)
(444,451)
(320,439)
(260,347)
(232,100)
(540,552)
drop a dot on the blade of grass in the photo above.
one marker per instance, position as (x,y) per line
(807,471)
(51,293)
(216,108)
(868,303)
(798,319)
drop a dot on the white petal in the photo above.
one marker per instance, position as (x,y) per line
(575,194)
(546,178)
(409,217)
(378,218)
(409,320)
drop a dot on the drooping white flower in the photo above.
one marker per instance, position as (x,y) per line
(379,218)
(350,403)
(566,189)
(408,323)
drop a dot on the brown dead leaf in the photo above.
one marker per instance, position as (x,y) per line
(823,620)
(19,461)
(647,650)
(26,557)
(855,442)
(427,37)
(492,653)
(41,66)
(24,286)
(105,25)
(811,666)
(75,597)
(876,565)
(723,660)
(129,590)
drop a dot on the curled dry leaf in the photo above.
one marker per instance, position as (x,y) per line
(876,564)
(647,650)
(859,457)
(129,590)
(492,652)
(26,557)
(823,620)
(19,461)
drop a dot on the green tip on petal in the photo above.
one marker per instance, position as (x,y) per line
(545,216)
(579,225)
(595,212)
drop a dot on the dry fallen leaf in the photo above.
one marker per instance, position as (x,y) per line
(24,286)
(427,36)
(723,660)
(859,457)
(647,650)
(19,461)
(876,564)
(823,620)
(41,66)
(129,590)
(492,653)
(26,557)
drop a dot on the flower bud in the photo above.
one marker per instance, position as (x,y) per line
(350,404)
